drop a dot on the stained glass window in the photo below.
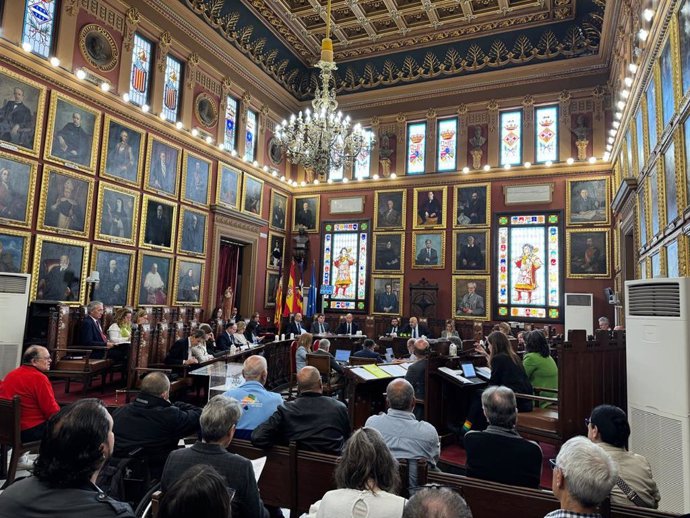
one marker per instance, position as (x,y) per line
(629,154)
(642,216)
(363,159)
(529,284)
(511,138)
(250,136)
(672,259)
(39,26)
(344,266)
(668,107)
(654,200)
(651,114)
(416,147)
(171,89)
(670,182)
(546,133)
(447,156)
(230,135)
(640,139)
(140,79)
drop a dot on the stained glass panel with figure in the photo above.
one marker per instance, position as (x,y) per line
(344,266)
(511,138)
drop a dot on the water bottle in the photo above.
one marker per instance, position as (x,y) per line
(453,349)
(233,350)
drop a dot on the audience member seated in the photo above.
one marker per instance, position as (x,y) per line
(296,327)
(181,352)
(227,338)
(258,404)
(410,349)
(120,331)
(498,453)
(367,351)
(216,316)
(503,327)
(200,351)
(604,324)
(210,340)
(218,421)
(252,332)
(317,422)
(77,442)
(141,317)
(583,476)
(336,369)
(506,369)
(304,346)
(450,329)
(320,326)
(394,329)
(414,330)
(348,327)
(406,437)
(29,382)
(436,502)
(91,334)
(234,316)
(200,492)
(416,373)
(256,317)
(153,423)
(540,367)
(240,337)
(608,427)
(367,478)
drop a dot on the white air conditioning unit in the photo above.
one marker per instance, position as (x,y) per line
(14,303)
(579,312)
(658,364)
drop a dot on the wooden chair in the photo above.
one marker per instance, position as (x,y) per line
(355,360)
(11,437)
(293,368)
(322,363)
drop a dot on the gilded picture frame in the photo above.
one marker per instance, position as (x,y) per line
(196,177)
(277,217)
(66,202)
(25,135)
(275,243)
(154,290)
(14,251)
(383,303)
(17,190)
(116,284)
(122,156)
(471,251)
(117,214)
(472,205)
(308,214)
(432,256)
(252,195)
(72,134)
(389,252)
(429,212)
(162,157)
(228,193)
(467,305)
(191,239)
(48,282)
(98,47)
(587,253)
(189,289)
(390,209)
(157,231)
(206,110)
(272,280)
(588,201)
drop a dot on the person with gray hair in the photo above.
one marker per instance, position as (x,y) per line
(218,423)
(258,404)
(604,324)
(583,476)
(499,453)
(91,335)
(406,437)
(436,502)
(325,349)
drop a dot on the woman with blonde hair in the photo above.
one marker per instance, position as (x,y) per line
(304,343)
(141,317)
(450,329)
(120,331)
(240,338)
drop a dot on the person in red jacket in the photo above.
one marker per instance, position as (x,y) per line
(29,382)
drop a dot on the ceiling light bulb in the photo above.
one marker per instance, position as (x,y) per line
(633,68)
(616,124)
(145,108)
(282,178)
(606,157)
(26,46)
(570,161)
(375,177)
(80,74)
(221,146)
(618,115)
(487,167)
(330,180)
(506,166)
(613,132)
(233,152)
(620,105)
(345,180)
(125,97)
(274,173)
(628,81)
(195,132)
(548,163)
(611,140)
(316,181)
(178,125)
(55,61)
(643,34)
(255,163)
(162,116)
(303,183)
(465,170)
(209,140)
(265,168)
(394,176)
(648,14)
(625,93)
(592,160)
(105,86)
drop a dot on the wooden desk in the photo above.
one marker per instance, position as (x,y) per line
(365,396)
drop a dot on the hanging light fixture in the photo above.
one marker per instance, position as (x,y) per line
(322,139)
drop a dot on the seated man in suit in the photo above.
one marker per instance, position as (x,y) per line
(394,329)
(181,351)
(227,338)
(218,421)
(367,351)
(498,453)
(416,373)
(320,326)
(348,327)
(336,369)
(91,335)
(296,327)
(415,330)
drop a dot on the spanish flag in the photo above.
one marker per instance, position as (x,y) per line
(293,296)
(279,302)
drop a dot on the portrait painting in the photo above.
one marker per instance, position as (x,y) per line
(228,190)
(472,205)
(276,251)
(670,183)
(390,210)
(430,207)
(588,201)
(278,210)
(195,178)
(21,116)
(73,132)
(275,151)
(305,213)
(653,193)
(272,280)
(157,223)
(14,251)
(429,250)
(17,190)
(471,297)
(252,195)
(389,252)
(668,101)
(153,279)
(206,110)
(60,269)
(684,45)
(387,294)
(123,151)
(588,253)
(98,47)
(114,266)
(66,201)
(162,167)
(192,239)
(189,282)
(118,211)
(471,251)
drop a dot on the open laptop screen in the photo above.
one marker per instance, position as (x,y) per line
(342,355)
(468,370)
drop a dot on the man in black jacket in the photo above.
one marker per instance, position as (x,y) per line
(416,373)
(181,351)
(319,423)
(415,330)
(348,327)
(218,421)
(325,349)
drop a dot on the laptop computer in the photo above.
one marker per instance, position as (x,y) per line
(342,355)
(469,373)
(389,355)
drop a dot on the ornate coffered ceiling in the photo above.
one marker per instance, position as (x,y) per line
(383,43)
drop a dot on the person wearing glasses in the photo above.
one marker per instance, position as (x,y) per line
(30,383)
(608,427)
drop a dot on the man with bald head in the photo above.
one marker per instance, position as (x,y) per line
(317,422)
(416,373)
(258,404)
(406,437)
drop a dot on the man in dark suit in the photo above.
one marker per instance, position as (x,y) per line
(416,373)
(320,326)
(348,327)
(415,330)
(305,217)
(430,209)
(227,338)
(163,172)
(61,283)
(427,256)
(367,351)
(181,351)
(296,327)
(218,421)
(394,329)
(91,334)
(158,229)
(498,453)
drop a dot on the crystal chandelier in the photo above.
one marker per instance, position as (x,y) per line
(322,139)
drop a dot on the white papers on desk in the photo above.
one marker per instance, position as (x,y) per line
(363,373)
(484,372)
(258,465)
(457,374)
(394,370)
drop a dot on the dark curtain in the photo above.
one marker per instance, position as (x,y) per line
(228,265)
